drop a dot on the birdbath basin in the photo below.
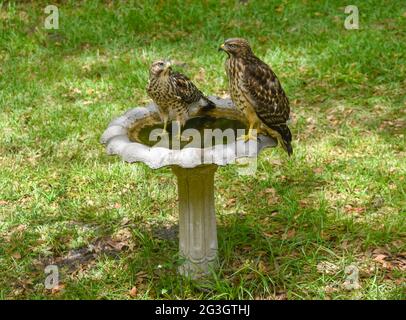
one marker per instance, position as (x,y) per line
(211,143)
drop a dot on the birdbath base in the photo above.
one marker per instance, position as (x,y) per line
(197,220)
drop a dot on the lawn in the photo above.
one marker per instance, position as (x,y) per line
(288,232)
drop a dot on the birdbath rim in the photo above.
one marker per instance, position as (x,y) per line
(117,140)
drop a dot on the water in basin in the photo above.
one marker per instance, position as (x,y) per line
(204,126)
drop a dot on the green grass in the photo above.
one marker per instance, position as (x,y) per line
(340,199)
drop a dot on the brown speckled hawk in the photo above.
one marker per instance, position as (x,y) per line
(257,92)
(174,94)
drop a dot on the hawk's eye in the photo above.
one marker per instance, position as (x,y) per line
(161,64)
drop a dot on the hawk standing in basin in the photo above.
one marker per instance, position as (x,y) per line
(257,92)
(174,94)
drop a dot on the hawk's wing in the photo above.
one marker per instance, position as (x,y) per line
(185,89)
(262,89)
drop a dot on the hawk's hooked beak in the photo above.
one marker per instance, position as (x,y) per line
(222,47)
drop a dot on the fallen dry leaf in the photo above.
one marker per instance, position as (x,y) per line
(262,267)
(327,267)
(58,288)
(318,170)
(303,203)
(20,228)
(289,235)
(390,261)
(271,191)
(273,197)
(380,257)
(353,210)
(276,162)
(230,203)
(16,255)
(330,289)
(281,295)
(133,292)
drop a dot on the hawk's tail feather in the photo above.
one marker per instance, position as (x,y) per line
(285,137)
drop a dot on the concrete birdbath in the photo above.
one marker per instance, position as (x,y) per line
(212,143)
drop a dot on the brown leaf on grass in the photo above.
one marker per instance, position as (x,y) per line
(380,257)
(20,228)
(271,191)
(273,197)
(327,267)
(325,235)
(263,267)
(3,202)
(125,221)
(281,295)
(318,170)
(390,261)
(121,239)
(303,203)
(392,186)
(276,162)
(117,245)
(230,203)
(57,289)
(289,235)
(15,231)
(250,276)
(353,210)
(397,243)
(334,121)
(345,244)
(16,256)
(329,289)
(133,292)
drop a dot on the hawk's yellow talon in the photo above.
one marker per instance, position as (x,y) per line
(246,137)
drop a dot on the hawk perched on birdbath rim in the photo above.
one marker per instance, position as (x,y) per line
(257,92)
(174,94)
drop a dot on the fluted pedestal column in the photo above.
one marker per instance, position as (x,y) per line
(197,219)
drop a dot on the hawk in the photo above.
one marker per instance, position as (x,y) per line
(174,94)
(257,92)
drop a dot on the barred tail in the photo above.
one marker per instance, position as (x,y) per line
(285,137)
